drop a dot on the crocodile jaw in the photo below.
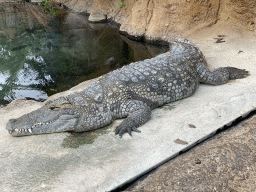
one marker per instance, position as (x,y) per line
(52,122)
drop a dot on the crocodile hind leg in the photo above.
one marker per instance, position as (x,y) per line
(221,75)
(137,113)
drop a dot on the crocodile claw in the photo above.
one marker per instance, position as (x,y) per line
(121,130)
(235,73)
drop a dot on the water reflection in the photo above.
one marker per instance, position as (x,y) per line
(38,61)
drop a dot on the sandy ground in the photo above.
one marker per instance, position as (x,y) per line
(225,162)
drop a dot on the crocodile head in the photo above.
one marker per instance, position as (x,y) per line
(54,116)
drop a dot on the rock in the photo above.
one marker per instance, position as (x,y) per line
(97,18)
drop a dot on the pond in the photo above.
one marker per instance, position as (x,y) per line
(40,57)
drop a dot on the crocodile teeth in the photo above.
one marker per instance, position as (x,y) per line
(30,130)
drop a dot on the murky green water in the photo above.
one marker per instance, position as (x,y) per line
(37,61)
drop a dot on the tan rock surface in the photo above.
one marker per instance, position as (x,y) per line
(157,19)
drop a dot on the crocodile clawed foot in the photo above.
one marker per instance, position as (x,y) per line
(235,73)
(120,130)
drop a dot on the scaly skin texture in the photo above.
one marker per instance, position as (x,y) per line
(131,92)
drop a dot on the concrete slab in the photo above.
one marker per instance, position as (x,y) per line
(101,161)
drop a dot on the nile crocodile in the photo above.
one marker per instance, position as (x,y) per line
(131,91)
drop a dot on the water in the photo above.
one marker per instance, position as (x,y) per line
(41,57)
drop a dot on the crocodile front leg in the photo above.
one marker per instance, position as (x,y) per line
(137,114)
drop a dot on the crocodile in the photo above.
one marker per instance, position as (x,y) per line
(130,92)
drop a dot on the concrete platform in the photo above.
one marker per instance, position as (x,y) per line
(101,161)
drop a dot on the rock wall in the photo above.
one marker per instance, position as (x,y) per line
(175,18)
(162,19)
(239,11)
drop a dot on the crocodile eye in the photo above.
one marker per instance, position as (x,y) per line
(53,107)
(62,106)
(65,105)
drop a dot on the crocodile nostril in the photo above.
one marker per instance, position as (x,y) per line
(13,120)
